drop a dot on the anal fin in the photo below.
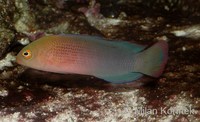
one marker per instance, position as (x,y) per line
(125,78)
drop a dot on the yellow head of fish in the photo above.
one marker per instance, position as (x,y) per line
(32,54)
(27,56)
(38,54)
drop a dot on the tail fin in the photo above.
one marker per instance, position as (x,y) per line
(152,60)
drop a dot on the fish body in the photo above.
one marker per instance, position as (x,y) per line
(113,61)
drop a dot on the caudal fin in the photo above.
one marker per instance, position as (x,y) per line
(152,60)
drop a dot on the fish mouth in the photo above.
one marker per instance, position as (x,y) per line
(18,60)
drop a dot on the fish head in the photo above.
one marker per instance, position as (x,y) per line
(28,56)
(40,54)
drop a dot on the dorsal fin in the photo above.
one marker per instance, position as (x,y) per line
(127,45)
(131,46)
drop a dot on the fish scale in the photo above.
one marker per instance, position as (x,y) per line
(74,55)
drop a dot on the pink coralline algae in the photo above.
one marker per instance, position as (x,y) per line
(93,11)
(101,23)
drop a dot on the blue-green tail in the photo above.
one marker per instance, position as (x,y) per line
(152,60)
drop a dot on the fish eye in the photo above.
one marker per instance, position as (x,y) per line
(27,54)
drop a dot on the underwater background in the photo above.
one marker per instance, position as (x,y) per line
(32,95)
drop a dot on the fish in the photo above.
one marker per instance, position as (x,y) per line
(113,61)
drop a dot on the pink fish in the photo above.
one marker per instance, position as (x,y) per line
(113,61)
